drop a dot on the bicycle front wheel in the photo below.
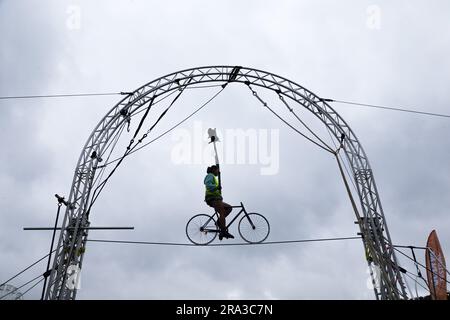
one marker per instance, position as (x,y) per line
(201,229)
(254,228)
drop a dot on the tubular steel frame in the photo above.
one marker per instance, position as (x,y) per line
(72,241)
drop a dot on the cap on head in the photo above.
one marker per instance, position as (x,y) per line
(211,169)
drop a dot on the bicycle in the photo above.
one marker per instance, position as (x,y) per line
(202,229)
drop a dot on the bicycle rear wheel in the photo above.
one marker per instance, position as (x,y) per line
(201,229)
(254,228)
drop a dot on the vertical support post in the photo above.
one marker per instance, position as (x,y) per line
(61,201)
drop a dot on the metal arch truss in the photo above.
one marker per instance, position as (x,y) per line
(376,239)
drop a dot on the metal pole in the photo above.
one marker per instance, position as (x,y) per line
(218,166)
(213,136)
(60,202)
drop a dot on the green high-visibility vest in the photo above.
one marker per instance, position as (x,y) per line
(216,194)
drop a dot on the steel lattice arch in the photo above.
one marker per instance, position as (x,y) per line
(72,241)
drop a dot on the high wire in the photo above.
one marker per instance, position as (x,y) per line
(219,244)
(243,244)
(193,245)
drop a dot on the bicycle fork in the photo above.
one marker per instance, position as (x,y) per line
(248,217)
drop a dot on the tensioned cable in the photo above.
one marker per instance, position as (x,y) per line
(345,166)
(255,94)
(113,143)
(173,92)
(130,146)
(211,86)
(419,273)
(20,287)
(423,248)
(171,128)
(205,86)
(301,121)
(416,282)
(117,137)
(327,148)
(415,261)
(170,94)
(87,94)
(388,108)
(225,244)
(133,149)
(417,276)
(179,123)
(63,95)
(156,102)
(27,268)
(439,276)
(32,287)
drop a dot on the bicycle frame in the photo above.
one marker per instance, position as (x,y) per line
(231,222)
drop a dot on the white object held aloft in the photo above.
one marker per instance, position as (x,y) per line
(213,135)
(214,138)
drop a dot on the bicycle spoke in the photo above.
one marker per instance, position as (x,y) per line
(201,229)
(256,233)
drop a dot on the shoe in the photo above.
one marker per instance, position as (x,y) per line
(228,235)
(221,235)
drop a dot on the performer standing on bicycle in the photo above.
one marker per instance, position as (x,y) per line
(213,197)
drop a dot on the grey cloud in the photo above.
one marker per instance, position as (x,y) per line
(327,47)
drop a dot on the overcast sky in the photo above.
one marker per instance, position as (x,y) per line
(392,53)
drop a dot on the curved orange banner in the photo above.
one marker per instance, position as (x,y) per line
(436,269)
